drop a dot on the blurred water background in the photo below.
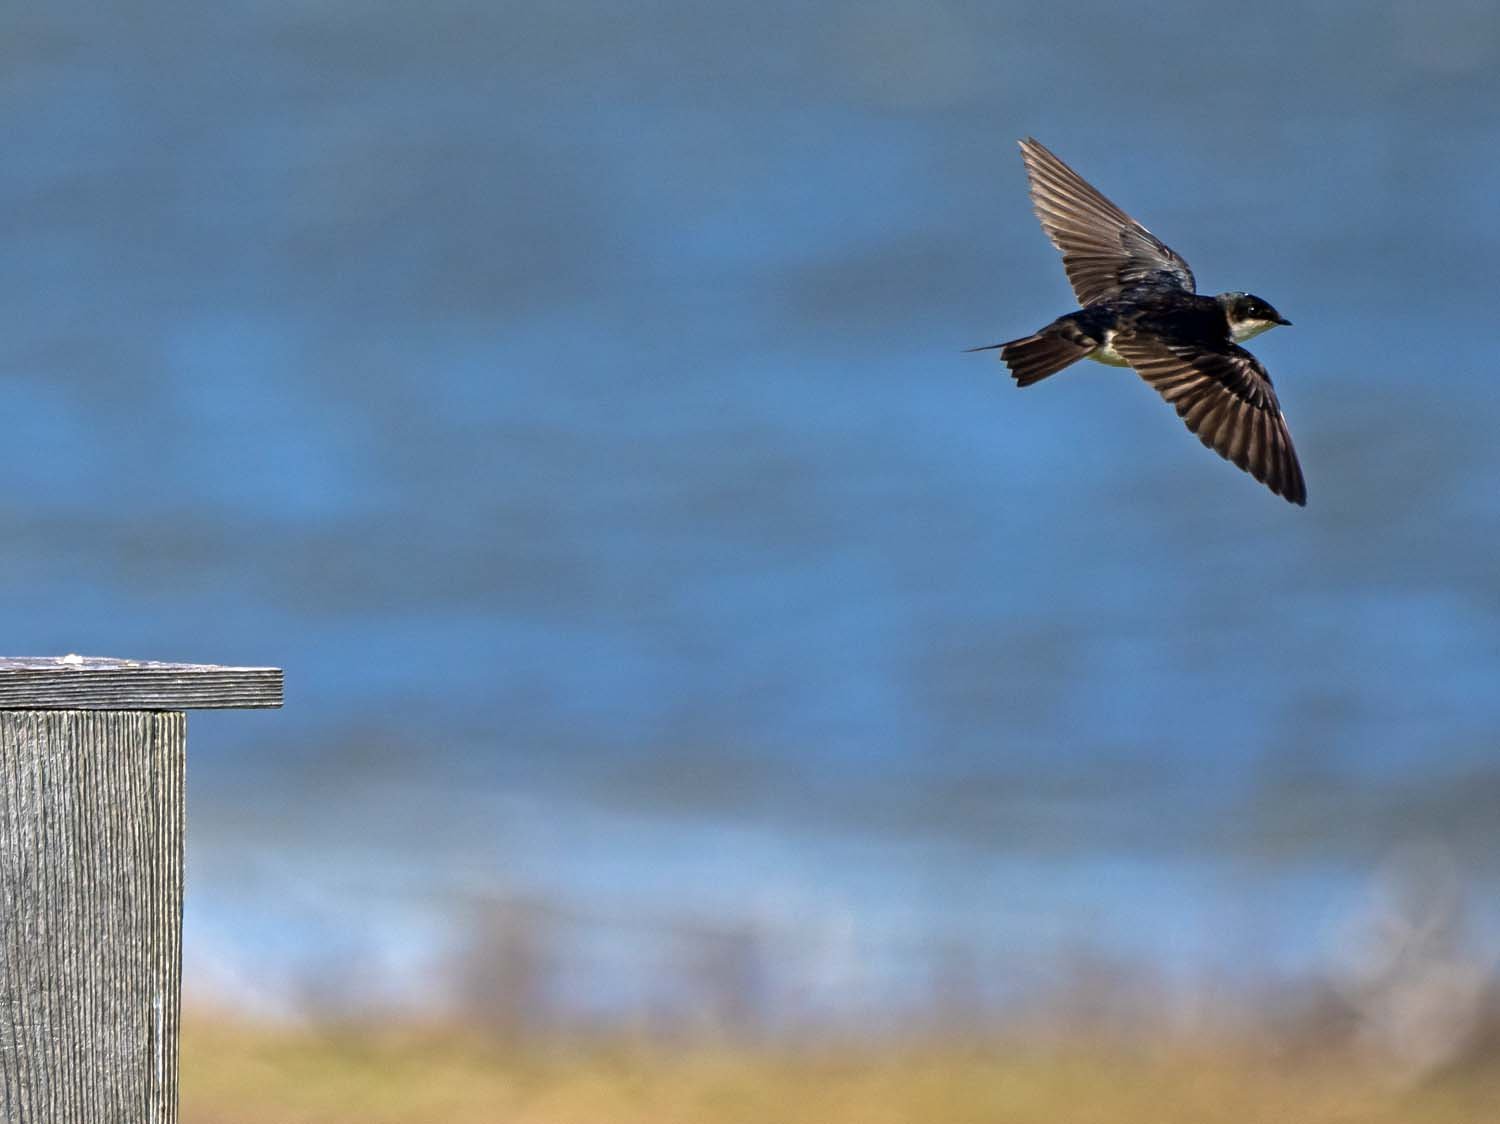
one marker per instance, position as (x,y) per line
(678,627)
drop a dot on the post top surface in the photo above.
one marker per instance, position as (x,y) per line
(75,682)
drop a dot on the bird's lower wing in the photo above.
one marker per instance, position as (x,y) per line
(1224,396)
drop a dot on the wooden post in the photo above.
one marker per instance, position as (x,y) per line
(92,753)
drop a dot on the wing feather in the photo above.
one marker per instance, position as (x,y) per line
(1224,396)
(1106,253)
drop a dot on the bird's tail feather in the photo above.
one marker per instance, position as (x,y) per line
(1033,358)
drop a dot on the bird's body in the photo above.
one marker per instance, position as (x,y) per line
(1140,309)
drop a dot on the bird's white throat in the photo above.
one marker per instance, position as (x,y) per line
(1248,329)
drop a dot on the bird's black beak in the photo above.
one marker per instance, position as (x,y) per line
(1283,321)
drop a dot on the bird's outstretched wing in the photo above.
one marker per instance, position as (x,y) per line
(1225,397)
(1105,252)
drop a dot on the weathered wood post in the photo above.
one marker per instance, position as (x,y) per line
(92,756)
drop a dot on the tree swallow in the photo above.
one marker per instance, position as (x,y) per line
(1141,309)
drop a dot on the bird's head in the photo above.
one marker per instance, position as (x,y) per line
(1248,315)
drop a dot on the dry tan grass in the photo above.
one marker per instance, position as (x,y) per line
(238,1074)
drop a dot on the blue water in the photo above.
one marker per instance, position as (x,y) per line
(570,397)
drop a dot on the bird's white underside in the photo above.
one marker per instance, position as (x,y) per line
(1245,330)
(1105,353)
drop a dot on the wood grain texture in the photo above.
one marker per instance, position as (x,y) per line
(91,683)
(91,823)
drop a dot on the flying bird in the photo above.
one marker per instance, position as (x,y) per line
(1141,309)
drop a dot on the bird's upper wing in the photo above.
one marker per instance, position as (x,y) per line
(1225,397)
(1105,251)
